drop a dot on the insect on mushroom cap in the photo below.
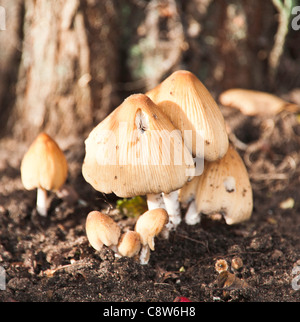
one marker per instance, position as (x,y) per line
(44,165)
(150,224)
(101,229)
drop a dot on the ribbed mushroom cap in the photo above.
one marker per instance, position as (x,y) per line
(129,244)
(101,229)
(136,151)
(44,165)
(251,102)
(224,187)
(150,224)
(190,106)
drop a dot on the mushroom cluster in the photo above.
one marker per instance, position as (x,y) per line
(136,150)
(169,145)
(102,230)
(153,144)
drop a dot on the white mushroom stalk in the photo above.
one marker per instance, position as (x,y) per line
(144,255)
(42,202)
(172,207)
(192,217)
(155,201)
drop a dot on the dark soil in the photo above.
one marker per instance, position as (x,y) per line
(50,259)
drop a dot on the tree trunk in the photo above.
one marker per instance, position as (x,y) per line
(65,64)
(64,85)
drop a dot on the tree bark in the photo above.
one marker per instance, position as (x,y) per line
(64,85)
(65,64)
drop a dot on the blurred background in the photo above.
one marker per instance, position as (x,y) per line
(65,64)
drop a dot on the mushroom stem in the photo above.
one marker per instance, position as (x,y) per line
(42,202)
(155,201)
(172,207)
(144,254)
(192,217)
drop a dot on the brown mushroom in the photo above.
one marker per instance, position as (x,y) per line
(192,110)
(224,187)
(102,230)
(44,167)
(148,226)
(129,244)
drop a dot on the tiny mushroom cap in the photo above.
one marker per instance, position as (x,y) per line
(150,224)
(129,244)
(44,167)
(101,229)
(192,109)
(224,187)
(251,102)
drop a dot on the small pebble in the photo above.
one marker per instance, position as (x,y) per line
(237,263)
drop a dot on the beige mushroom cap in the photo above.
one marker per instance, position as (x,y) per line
(188,192)
(150,224)
(129,244)
(136,151)
(101,229)
(224,187)
(190,106)
(251,102)
(44,165)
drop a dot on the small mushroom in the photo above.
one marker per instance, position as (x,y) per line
(44,167)
(148,226)
(251,102)
(135,151)
(129,244)
(221,265)
(224,187)
(102,230)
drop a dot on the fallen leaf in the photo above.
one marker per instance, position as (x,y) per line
(287,204)
(163,275)
(252,103)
